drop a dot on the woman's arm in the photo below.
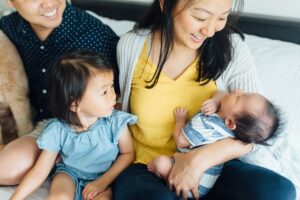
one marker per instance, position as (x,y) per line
(189,167)
(124,160)
(36,176)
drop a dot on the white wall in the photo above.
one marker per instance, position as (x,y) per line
(280,8)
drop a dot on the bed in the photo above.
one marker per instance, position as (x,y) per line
(275,44)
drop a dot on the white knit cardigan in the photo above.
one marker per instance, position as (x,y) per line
(240,74)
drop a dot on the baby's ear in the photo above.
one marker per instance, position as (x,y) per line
(230,124)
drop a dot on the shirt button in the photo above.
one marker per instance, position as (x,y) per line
(44,91)
(41,110)
(43,70)
(42,47)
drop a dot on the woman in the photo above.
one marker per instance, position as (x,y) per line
(179,56)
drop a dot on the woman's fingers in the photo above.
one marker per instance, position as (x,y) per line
(195,193)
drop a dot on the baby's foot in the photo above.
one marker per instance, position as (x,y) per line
(150,166)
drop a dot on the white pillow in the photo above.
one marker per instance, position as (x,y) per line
(120,27)
(278,66)
(4,8)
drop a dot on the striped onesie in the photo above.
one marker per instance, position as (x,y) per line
(204,129)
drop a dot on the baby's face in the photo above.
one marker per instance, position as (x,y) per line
(239,102)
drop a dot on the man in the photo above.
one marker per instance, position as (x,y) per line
(42,31)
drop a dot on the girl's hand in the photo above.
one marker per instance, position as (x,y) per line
(209,107)
(184,176)
(92,189)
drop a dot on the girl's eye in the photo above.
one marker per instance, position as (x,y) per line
(105,92)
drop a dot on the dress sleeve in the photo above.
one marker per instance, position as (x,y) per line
(119,121)
(50,139)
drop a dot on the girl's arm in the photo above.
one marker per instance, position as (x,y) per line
(123,160)
(189,167)
(36,176)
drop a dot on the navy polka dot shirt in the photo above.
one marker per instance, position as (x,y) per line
(78,30)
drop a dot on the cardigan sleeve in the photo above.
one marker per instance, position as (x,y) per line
(128,51)
(241,72)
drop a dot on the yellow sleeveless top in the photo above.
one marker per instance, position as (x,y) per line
(152,135)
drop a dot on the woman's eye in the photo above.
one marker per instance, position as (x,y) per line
(199,19)
(105,92)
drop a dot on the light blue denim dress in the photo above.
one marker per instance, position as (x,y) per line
(204,129)
(85,155)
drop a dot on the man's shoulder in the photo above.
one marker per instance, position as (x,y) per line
(83,17)
(11,19)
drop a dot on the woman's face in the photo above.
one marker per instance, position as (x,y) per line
(197,20)
(43,15)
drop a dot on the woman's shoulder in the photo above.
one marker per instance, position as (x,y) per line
(134,36)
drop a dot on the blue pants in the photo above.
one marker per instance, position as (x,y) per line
(238,181)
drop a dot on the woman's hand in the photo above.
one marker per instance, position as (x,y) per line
(185,176)
(94,188)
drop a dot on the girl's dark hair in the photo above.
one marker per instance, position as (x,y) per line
(254,129)
(215,53)
(71,74)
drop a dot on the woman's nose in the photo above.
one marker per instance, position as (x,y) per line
(209,28)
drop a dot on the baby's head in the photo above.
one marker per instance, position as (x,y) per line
(82,87)
(251,116)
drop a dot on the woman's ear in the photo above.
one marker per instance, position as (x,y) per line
(230,124)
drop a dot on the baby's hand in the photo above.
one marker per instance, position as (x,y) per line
(181,114)
(209,107)
(92,189)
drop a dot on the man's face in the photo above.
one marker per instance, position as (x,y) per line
(43,15)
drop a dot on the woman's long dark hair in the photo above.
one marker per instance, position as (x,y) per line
(214,54)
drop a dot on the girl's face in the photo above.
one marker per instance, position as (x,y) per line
(199,19)
(43,15)
(99,98)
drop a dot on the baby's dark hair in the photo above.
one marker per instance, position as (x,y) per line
(70,77)
(251,128)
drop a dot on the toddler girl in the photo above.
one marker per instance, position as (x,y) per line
(92,138)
